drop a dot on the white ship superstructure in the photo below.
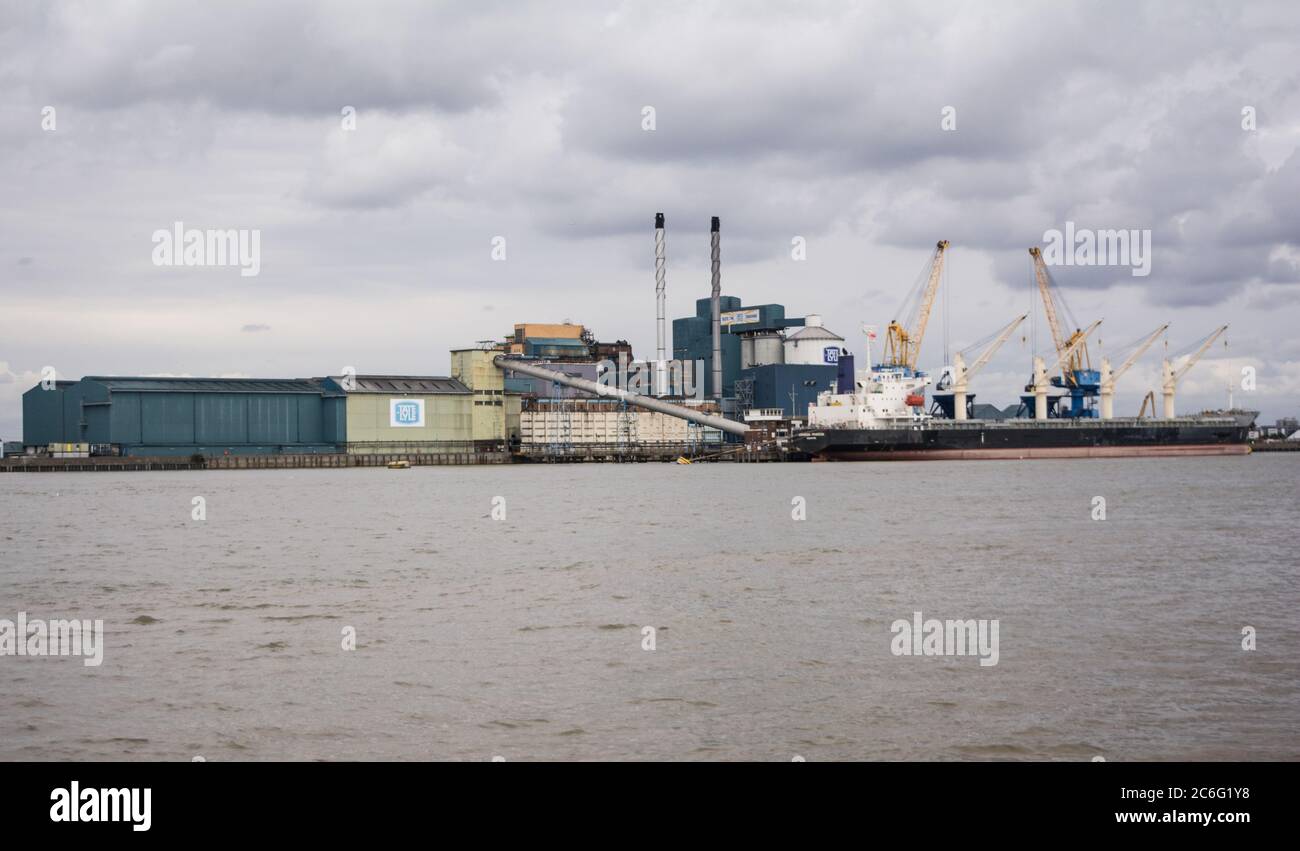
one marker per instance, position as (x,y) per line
(883,397)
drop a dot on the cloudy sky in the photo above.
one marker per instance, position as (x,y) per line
(481,120)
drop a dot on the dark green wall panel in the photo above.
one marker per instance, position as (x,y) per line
(221,418)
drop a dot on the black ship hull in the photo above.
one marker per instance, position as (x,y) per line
(972,439)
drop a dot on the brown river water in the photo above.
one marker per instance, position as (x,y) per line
(522,637)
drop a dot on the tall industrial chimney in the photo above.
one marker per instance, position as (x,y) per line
(717,309)
(661,360)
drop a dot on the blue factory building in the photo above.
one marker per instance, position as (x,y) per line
(693,335)
(788,386)
(769,360)
(184,416)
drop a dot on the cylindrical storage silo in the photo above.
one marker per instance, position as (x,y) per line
(768,348)
(813,344)
(747,351)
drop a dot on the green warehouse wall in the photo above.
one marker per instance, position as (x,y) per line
(446,418)
(166,416)
(146,416)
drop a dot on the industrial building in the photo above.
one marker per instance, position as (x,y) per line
(355,414)
(185,416)
(787,371)
(403,414)
(769,360)
(563,342)
(495,412)
(557,421)
(693,335)
(552,421)
(608,428)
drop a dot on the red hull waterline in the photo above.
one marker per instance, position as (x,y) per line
(1043,452)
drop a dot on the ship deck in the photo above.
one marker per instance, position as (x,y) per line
(1063,423)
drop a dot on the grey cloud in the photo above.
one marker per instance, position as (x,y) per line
(288,58)
(524,120)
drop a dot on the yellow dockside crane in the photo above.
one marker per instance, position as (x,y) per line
(1079,379)
(903,342)
(1078,359)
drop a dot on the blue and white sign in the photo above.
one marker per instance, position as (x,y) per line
(406,413)
(831,354)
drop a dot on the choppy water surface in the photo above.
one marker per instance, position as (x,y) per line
(522,637)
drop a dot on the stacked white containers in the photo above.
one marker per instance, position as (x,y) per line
(605,425)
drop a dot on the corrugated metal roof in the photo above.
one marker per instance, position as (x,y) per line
(813,332)
(147,384)
(415,384)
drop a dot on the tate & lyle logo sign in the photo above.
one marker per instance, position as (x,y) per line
(831,354)
(406,413)
(738,317)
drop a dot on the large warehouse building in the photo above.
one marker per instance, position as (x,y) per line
(362,414)
(184,416)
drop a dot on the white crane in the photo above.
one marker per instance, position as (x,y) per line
(961,373)
(1041,381)
(1110,376)
(1172,376)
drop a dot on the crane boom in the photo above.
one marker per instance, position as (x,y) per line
(1072,347)
(903,343)
(961,373)
(1040,382)
(1049,303)
(1046,287)
(1195,356)
(1137,353)
(1171,376)
(1110,376)
(988,353)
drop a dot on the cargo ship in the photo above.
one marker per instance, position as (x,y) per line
(878,414)
(882,418)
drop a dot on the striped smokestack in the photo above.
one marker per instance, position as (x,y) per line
(659,284)
(716,254)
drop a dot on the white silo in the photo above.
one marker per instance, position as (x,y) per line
(813,344)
